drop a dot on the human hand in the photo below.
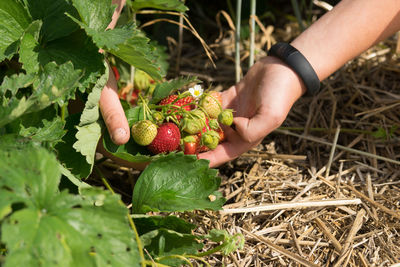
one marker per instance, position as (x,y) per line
(261,102)
(113,113)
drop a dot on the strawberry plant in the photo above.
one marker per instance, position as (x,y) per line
(49,215)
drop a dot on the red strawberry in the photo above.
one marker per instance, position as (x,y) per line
(221,135)
(167,139)
(190,144)
(116,72)
(181,102)
(123,94)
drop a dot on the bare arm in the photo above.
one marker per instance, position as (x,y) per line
(266,94)
(345,32)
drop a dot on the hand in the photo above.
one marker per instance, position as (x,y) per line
(261,102)
(113,113)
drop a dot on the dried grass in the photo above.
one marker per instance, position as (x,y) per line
(324,189)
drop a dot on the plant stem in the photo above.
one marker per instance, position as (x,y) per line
(237,39)
(297,13)
(63,111)
(252,31)
(131,223)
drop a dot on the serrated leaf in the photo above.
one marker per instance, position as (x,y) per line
(49,131)
(13,21)
(164,242)
(15,82)
(164,89)
(177,182)
(53,228)
(29,42)
(53,84)
(73,160)
(138,52)
(89,129)
(79,49)
(52,12)
(95,24)
(110,39)
(176,5)
(95,15)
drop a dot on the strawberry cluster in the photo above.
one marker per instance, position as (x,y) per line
(187,122)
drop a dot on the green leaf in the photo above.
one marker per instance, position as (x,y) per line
(49,131)
(15,82)
(134,114)
(163,236)
(177,182)
(138,52)
(146,223)
(29,42)
(79,49)
(230,243)
(52,12)
(89,129)
(51,228)
(13,21)
(176,5)
(164,243)
(95,15)
(127,42)
(73,160)
(55,84)
(164,89)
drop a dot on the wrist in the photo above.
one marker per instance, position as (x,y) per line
(280,70)
(294,59)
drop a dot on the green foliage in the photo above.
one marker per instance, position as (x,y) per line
(14,20)
(175,5)
(177,182)
(54,84)
(53,46)
(49,227)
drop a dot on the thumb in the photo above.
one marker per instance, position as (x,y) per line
(113,113)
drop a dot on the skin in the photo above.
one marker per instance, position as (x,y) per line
(264,97)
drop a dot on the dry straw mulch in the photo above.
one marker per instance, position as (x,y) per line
(324,189)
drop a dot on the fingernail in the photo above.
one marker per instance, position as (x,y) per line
(119,134)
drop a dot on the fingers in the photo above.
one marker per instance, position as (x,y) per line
(229,150)
(228,97)
(113,113)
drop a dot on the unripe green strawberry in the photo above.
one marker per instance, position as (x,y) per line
(158,117)
(226,117)
(210,139)
(193,121)
(144,132)
(212,104)
(213,123)
(141,80)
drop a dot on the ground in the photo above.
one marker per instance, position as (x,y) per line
(323,189)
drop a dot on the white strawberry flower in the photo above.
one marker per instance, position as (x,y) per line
(196,91)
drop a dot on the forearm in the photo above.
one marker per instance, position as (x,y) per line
(345,32)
